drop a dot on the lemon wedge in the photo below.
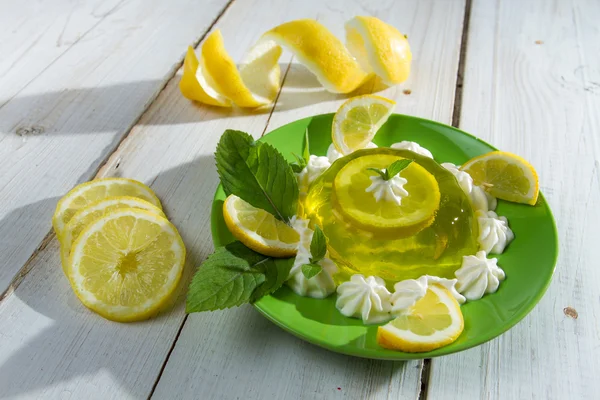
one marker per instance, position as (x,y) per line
(90,192)
(416,211)
(88,214)
(432,322)
(505,176)
(126,264)
(357,121)
(379,48)
(258,229)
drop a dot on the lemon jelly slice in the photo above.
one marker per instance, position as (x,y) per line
(435,247)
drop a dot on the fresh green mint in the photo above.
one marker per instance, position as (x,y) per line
(257,173)
(234,275)
(318,245)
(306,151)
(299,165)
(310,270)
(302,162)
(318,249)
(394,169)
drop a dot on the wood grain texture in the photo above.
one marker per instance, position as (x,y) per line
(237,353)
(61,122)
(50,345)
(36,33)
(532,87)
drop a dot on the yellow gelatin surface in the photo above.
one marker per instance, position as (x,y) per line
(432,248)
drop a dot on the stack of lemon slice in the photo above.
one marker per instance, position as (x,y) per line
(123,258)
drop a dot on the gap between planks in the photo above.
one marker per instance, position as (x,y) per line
(166,361)
(458,94)
(16,281)
(426,367)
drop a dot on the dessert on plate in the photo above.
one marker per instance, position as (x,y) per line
(400,238)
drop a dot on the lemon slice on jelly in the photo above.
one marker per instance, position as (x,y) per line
(416,211)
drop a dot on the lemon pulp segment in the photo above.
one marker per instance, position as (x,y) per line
(89,192)
(126,264)
(360,206)
(505,176)
(258,229)
(357,121)
(432,322)
(88,214)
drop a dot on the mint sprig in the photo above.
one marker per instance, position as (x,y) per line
(306,151)
(257,173)
(299,165)
(302,162)
(394,169)
(234,275)
(310,270)
(318,249)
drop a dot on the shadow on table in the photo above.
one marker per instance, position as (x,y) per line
(97,109)
(48,343)
(48,336)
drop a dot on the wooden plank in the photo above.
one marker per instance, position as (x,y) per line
(34,35)
(532,87)
(58,129)
(50,345)
(238,354)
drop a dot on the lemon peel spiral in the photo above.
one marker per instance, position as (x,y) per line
(373,48)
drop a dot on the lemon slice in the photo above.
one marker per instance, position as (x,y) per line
(258,229)
(126,264)
(432,322)
(98,189)
(379,48)
(505,176)
(85,216)
(357,121)
(416,211)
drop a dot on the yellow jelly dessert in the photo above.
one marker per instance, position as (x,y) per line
(425,231)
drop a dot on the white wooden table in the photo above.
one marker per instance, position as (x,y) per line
(90,89)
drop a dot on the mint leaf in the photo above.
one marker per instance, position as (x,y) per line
(257,173)
(276,271)
(383,174)
(299,165)
(234,275)
(306,153)
(318,245)
(310,270)
(396,167)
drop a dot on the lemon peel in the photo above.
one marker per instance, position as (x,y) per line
(373,48)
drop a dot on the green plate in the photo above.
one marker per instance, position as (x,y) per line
(528,262)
